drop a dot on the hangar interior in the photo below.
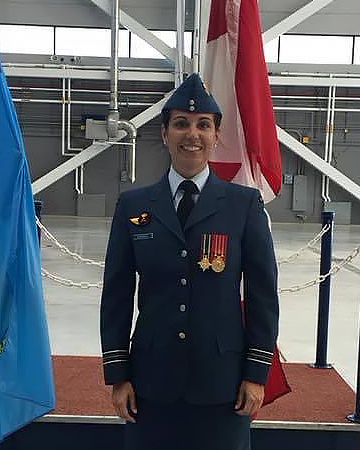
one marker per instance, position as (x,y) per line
(57,89)
(316,92)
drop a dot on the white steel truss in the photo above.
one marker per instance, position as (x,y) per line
(309,156)
(93,150)
(295,146)
(294,19)
(138,29)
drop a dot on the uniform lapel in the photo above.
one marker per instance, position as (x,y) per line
(209,201)
(163,207)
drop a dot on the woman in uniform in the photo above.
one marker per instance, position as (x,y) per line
(193,373)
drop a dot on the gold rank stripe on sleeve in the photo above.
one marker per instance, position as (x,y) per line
(260,356)
(115,356)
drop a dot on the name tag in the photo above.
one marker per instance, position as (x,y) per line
(142,236)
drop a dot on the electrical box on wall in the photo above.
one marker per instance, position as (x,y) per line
(299,193)
(288,178)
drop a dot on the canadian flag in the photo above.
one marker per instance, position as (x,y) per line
(236,74)
(248,149)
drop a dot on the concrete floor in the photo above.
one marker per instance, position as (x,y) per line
(73,313)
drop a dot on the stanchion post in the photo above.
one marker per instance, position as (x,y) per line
(324,294)
(38,207)
(356,417)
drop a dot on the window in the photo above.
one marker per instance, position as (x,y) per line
(89,42)
(141,49)
(316,49)
(26,39)
(271,50)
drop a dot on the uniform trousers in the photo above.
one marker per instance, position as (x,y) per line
(185,426)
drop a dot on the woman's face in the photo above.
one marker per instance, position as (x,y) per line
(190,138)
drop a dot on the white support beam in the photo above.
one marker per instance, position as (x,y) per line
(59,172)
(86,74)
(138,29)
(313,81)
(93,150)
(316,161)
(294,19)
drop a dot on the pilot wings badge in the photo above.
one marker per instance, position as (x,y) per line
(142,220)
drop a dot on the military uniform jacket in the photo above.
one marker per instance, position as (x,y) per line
(189,340)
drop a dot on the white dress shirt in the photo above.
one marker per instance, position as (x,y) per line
(175,179)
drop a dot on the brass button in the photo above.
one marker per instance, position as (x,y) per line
(182,335)
(183,281)
(182,308)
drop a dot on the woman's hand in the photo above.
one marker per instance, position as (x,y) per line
(250,399)
(123,396)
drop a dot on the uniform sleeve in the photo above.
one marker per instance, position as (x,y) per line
(260,293)
(117,301)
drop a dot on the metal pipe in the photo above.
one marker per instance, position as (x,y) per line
(113,116)
(331,140)
(82,179)
(90,102)
(196,37)
(63,118)
(84,102)
(92,91)
(299,108)
(306,97)
(324,195)
(131,131)
(77,181)
(69,148)
(180,30)
(325,75)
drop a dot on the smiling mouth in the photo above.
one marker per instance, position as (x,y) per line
(190,148)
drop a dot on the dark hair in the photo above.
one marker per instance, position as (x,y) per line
(165,119)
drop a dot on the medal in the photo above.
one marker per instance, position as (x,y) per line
(213,252)
(204,262)
(219,257)
(218,264)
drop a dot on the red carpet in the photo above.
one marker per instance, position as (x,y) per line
(318,395)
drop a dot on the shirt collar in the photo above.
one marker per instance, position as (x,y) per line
(199,179)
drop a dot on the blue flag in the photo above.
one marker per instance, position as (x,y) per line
(26,378)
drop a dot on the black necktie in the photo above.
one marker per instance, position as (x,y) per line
(186,204)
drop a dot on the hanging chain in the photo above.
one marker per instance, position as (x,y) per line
(308,245)
(70,283)
(86,285)
(65,250)
(333,271)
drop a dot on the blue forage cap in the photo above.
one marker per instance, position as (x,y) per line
(193,96)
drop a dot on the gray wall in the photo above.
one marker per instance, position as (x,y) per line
(41,128)
(41,123)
